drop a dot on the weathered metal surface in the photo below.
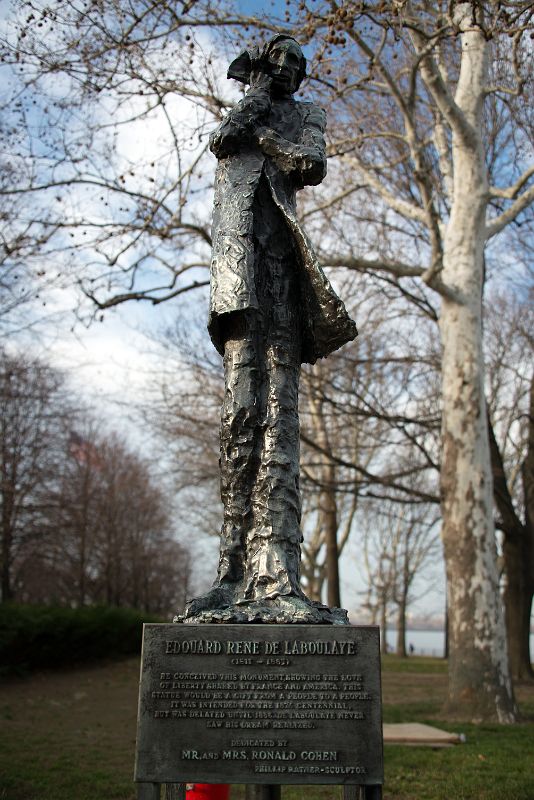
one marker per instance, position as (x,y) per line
(260,704)
(271,309)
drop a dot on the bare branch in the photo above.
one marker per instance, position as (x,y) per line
(399,205)
(373,265)
(511,191)
(439,90)
(373,479)
(142,295)
(498,223)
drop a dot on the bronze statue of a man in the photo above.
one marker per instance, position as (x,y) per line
(271,309)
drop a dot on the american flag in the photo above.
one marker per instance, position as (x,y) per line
(83,451)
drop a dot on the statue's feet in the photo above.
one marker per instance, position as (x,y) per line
(272,570)
(267,610)
(219,597)
(294,608)
(268,593)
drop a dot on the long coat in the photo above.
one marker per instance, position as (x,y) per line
(327,326)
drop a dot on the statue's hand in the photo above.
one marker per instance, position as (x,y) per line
(257,102)
(259,79)
(271,142)
(288,156)
(283,152)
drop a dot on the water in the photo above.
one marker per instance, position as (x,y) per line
(429,643)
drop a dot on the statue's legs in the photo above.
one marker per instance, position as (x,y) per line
(260,452)
(240,451)
(273,540)
(240,442)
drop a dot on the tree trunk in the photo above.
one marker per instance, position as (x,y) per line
(401,628)
(446,648)
(518,603)
(384,624)
(7,542)
(7,592)
(479,681)
(311,568)
(328,511)
(84,524)
(316,580)
(147,604)
(527,473)
(518,555)
(327,504)
(8,478)
(82,559)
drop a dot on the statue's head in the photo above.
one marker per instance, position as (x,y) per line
(286,63)
(281,58)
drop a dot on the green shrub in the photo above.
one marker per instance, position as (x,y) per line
(32,637)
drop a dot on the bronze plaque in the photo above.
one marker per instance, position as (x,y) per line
(260,704)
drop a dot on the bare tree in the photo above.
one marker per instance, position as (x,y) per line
(182,407)
(416,546)
(369,424)
(361,413)
(110,538)
(32,406)
(400,542)
(324,432)
(21,286)
(132,524)
(82,517)
(378,572)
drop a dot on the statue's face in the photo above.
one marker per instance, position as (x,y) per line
(284,61)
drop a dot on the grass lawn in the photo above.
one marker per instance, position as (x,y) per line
(70,735)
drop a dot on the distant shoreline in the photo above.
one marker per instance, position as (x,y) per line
(425,641)
(420,627)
